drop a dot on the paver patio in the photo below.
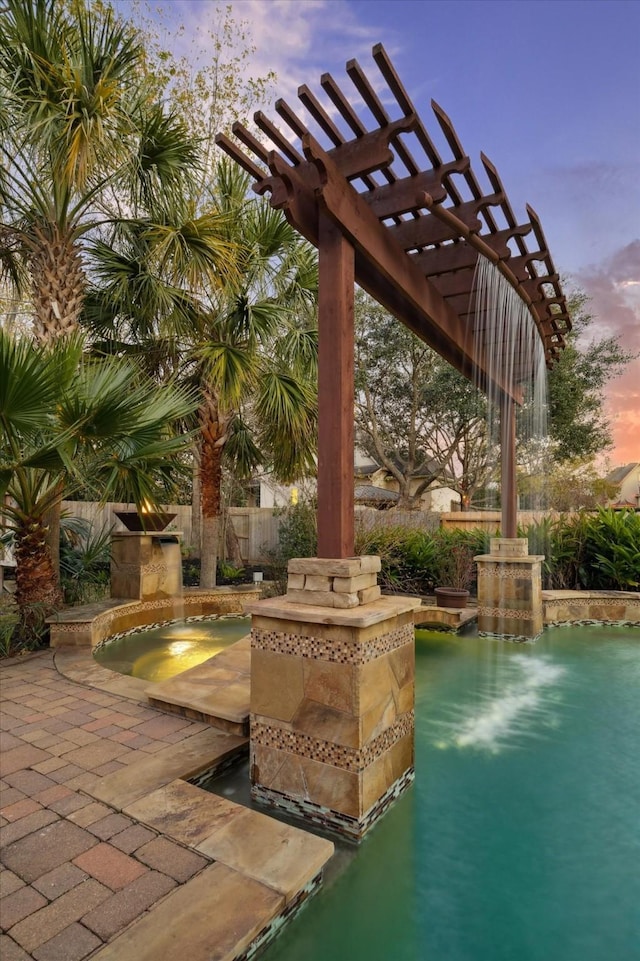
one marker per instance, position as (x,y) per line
(77,869)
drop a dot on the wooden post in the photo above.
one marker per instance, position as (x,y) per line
(508,483)
(335,392)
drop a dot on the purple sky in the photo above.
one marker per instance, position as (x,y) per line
(548,89)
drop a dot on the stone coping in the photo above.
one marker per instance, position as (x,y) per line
(191,596)
(510,558)
(281,608)
(603,607)
(91,624)
(444,618)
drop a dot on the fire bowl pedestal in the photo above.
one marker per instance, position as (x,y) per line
(146,566)
(510,590)
(332,697)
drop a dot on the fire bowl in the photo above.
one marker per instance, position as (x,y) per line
(144,523)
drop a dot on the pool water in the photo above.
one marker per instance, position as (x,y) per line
(520,839)
(158,653)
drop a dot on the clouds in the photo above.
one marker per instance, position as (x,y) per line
(297,40)
(614,289)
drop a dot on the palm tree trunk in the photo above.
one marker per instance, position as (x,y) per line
(37,592)
(213,438)
(195,547)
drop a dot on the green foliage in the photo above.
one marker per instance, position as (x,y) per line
(590,551)
(415,561)
(8,625)
(228,574)
(85,555)
(455,549)
(613,549)
(415,415)
(578,425)
(297,537)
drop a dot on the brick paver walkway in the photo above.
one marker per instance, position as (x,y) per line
(75,872)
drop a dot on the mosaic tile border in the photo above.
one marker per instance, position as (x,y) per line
(519,615)
(591,622)
(273,929)
(349,828)
(339,651)
(354,760)
(516,638)
(508,572)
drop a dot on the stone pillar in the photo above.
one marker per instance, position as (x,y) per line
(332,698)
(510,590)
(145,566)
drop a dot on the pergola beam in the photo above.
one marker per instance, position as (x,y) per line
(387,211)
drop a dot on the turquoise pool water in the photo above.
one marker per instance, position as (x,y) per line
(520,839)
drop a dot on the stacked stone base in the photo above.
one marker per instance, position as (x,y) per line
(332,709)
(510,591)
(343,583)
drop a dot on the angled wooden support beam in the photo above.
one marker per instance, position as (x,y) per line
(385,271)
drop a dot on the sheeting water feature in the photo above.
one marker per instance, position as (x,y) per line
(513,346)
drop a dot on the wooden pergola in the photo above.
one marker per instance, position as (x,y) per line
(366,185)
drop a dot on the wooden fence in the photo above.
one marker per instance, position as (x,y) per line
(257,527)
(487,520)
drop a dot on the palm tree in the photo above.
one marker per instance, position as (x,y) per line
(68,422)
(88,156)
(249,344)
(85,148)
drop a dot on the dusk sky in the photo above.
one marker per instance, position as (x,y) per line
(548,89)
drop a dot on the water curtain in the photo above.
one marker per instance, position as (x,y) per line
(513,349)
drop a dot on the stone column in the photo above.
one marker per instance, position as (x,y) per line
(145,566)
(510,590)
(332,696)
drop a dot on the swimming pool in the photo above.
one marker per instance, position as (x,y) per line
(520,838)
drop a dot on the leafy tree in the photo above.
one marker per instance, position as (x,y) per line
(425,423)
(569,486)
(68,421)
(415,415)
(578,425)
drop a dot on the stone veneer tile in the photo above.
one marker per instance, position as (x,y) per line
(183,811)
(277,685)
(330,683)
(326,723)
(307,779)
(281,856)
(378,719)
(378,777)
(214,917)
(375,681)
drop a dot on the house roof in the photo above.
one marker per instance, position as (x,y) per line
(367,493)
(618,475)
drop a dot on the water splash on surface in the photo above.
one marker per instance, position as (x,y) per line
(524,703)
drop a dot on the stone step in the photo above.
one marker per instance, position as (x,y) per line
(216,691)
(285,858)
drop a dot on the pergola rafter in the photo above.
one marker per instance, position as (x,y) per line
(387,210)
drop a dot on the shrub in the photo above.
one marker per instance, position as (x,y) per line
(85,557)
(591,551)
(297,537)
